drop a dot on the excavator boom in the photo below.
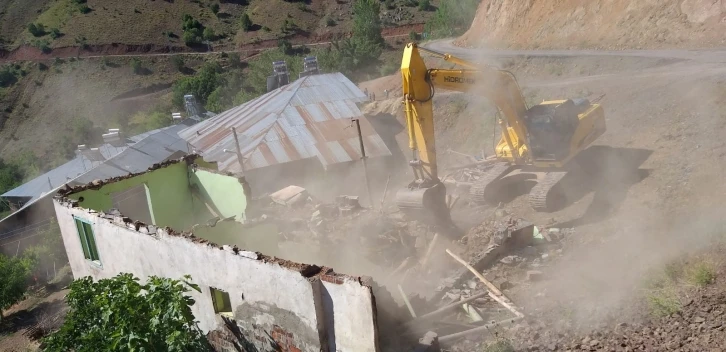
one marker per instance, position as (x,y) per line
(420,83)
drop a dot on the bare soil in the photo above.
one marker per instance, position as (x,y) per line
(599,24)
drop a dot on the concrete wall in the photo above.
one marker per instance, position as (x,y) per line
(169,196)
(275,303)
(224,193)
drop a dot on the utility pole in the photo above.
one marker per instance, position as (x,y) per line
(239,151)
(363,157)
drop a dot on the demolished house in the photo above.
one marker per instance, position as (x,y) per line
(247,297)
(302,133)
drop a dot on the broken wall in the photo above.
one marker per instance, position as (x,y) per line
(169,199)
(274,302)
(223,193)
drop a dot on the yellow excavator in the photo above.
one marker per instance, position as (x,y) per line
(540,140)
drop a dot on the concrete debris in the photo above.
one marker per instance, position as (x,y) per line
(290,195)
(534,275)
(428,343)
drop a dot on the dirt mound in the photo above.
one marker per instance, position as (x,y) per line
(598,24)
(698,326)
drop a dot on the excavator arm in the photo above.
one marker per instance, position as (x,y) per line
(419,87)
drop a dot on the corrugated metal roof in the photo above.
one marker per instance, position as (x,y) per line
(145,150)
(311,117)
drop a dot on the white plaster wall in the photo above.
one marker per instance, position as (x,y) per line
(353,316)
(347,306)
(124,250)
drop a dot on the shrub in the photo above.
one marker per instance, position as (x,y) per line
(285,47)
(390,4)
(701,274)
(245,22)
(424,5)
(178,62)
(42,44)
(413,36)
(120,313)
(215,8)
(209,34)
(84,9)
(135,65)
(37,30)
(55,33)
(329,21)
(14,275)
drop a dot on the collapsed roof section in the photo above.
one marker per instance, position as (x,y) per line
(309,118)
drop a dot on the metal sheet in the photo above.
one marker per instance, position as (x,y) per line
(311,117)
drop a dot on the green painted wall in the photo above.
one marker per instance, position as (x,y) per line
(171,201)
(224,193)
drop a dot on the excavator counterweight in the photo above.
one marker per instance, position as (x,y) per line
(539,140)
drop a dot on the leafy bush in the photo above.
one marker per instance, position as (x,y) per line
(413,36)
(192,30)
(37,30)
(42,44)
(209,34)
(14,276)
(191,36)
(201,85)
(215,8)
(178,62)
(285,46)
(84,9)
(245,22)
(701,274)
(116,312)
(329,21)
(55,33)
(424,5)
(135,65)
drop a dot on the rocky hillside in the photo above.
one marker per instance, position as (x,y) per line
(611,24)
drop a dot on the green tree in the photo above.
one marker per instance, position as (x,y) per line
(191,36)
(121,314)
(215,8)
(245,22)
(201,85)
(367,22)
(14,277)
(209,34)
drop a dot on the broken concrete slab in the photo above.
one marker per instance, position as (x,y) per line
(428,343)
(290,195)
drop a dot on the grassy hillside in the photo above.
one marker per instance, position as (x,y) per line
(144,22)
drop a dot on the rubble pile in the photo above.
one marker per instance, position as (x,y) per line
(383,238)
(698,326)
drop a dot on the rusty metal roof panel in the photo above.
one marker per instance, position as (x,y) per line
(308,118)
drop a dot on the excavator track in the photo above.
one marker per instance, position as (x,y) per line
(542,196)
(479,190)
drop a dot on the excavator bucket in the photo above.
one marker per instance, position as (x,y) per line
(427,205)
